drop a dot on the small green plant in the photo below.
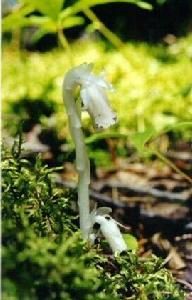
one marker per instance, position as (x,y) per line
(142,140)
(28,191)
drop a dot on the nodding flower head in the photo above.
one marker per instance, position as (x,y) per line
(94,97)
(93,94)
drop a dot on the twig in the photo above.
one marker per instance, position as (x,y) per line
(103,29)
(169,196)
(166,196)
(185,156)
(106,200)
(185,283)
(170,164)
(65,44)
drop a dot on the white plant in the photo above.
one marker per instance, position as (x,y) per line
(94,100)
(109,228)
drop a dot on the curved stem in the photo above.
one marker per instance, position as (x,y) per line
(171,165)
(113,38)
(82,160)
(64,43)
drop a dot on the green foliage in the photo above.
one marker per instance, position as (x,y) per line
(83,4)
(146,279)
(47,7)
(28,191)
(139,139)
(149,93)
(44,256)
(54,16)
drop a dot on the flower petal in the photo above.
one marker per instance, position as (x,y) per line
(111,232)
(96,103)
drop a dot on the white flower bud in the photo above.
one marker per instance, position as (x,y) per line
(109,229)
(111,232)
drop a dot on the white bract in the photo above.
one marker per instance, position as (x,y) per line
(109,229)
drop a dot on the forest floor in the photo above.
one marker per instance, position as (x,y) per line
(151,201)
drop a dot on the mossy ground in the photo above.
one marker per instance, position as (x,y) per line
(44,256)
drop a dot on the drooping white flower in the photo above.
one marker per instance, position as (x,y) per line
(93,95)
(109,229)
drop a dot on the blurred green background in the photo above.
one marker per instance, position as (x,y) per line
(149,67)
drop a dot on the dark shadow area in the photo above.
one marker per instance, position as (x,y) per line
(131,22)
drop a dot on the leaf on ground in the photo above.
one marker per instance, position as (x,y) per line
(130,241)
(139,139)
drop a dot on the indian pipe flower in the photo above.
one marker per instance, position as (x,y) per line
(94,100)
(93,94)
(94,97)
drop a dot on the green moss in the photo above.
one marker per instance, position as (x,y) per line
(44,256)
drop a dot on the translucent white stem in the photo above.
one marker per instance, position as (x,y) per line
(82,160)
(94,99)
